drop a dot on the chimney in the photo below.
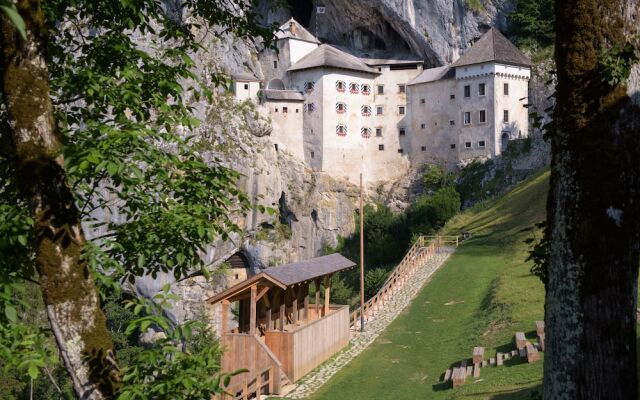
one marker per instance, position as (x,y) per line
(292,28)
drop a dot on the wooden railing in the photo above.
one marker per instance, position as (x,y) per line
(423,249)
(265,370)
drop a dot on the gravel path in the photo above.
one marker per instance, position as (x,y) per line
(373,327)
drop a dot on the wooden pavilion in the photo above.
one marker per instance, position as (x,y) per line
(280,336)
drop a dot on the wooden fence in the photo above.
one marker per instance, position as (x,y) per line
(423,249)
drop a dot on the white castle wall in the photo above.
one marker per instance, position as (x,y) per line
(246,90)
(287,131)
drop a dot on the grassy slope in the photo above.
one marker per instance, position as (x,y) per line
(479,298)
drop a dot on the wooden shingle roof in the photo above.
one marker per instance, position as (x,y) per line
(301,271)
(287,275)
(493,46)
(298,32)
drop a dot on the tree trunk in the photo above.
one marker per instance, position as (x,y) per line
(593,208)
(70,294)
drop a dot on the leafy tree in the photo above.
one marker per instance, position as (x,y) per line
(593,213)
(92,123)
(373,281)
(532,22)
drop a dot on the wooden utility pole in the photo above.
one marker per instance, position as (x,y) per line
(361,258)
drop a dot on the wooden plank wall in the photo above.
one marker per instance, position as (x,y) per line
(318,341)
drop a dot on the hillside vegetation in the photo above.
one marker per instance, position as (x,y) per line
(480,297)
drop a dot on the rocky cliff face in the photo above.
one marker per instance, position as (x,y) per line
(436,30)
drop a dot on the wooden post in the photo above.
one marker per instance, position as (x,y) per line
(224,318)
(294,305)
(283,310)
(317,284)
(327,294)
(306,302)
(361,258)
(252,310)
(277,381)
(268,313)
(258,384)
(245,390)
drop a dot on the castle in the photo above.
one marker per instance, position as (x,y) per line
(381,115)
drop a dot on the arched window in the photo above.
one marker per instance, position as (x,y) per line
(341,130)
(309,86)
(341,108)
(275,84)
(365,133)
(341,86)
(366,111)
(354,88)
(365,89)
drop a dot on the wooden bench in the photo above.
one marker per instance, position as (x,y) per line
(459,375)
(478,354)
(532,353)
(447,375)
(541,341)
(540,328)
(521,340)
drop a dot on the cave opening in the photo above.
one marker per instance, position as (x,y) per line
(301,11)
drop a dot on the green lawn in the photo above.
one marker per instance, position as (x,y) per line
(480,297)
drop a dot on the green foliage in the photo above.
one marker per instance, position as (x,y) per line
(435,177)
(374,280)
(184,363)
(616,62)
(532,23)
(8,8)
(475,5)
(539,252)
(123,108)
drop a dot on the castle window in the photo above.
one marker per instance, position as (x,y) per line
(276,146)
(482,116)
(467,91)
(505,116)
(505,89)
(341,130)
(481,143)
(452,96)
(402,88)
(341,86)
(401,110)
(276,109)
(380,89)
(285,110)
(467,145)
(341,108)
(381,147)
(246,86)
(422,101)
(481,89)
(365,133)
(400,151)
(309,87)
(365,89)
(297,110)
(453,146)
(379,110)
(402,131)
(275,65)
(354,88)
(379,132)
(366,111)
(423,125)
(423,148)
(452,122)
(467,118)
(313,154)
(309,107)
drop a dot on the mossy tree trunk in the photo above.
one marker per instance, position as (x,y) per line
(594,207)
(70,294)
